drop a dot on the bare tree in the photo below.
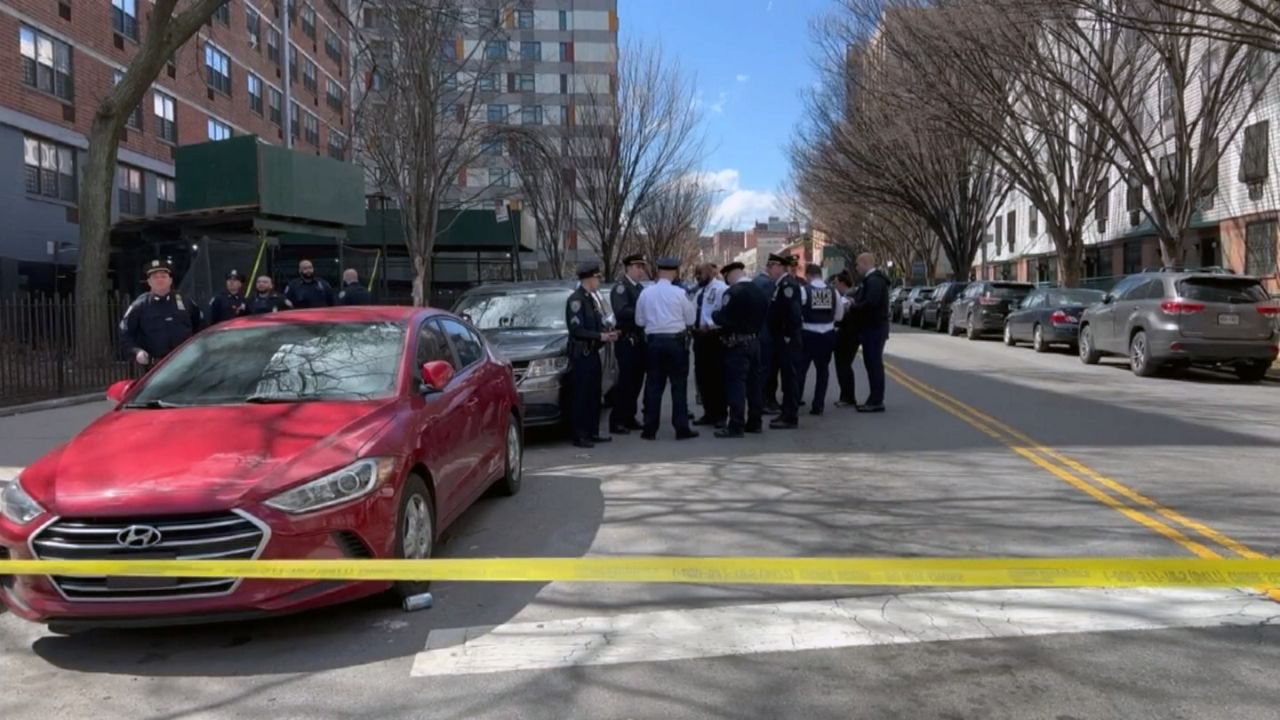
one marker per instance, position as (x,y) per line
(635,135)
(168,28)
(671,223)
(540,169)
(419,124)
(1249,22)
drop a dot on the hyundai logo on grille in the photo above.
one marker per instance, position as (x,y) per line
(138,536)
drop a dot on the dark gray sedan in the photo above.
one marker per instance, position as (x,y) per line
(1049,316)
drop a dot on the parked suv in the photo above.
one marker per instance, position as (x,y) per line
(914,305)
(896,297)
(1182,318)
(982,307)
(937,309)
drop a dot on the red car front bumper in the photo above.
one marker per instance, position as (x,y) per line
(363,528)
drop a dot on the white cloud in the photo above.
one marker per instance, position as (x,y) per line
(737,207)
(769,7)
(717,107)
(743,77)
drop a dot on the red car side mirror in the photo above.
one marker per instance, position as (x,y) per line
(118,389)
(435,375)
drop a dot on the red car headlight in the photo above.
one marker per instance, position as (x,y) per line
(17,505)
(340,486)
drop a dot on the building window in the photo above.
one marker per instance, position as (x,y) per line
(308,15)
(293,62)
(273,45)
(1033,223)
(332,46)
(166,194)
(566,52)
(135,118)
(1167,92)
(217,69)
(129,190)
(222,13)
(50,169)
(46,63)
(337,145)
(564,20)
(497,114)
(124,17)
(1259,71)
(1102,209)
(1132,257)
(370,19)
(999,236)
(499,177)
(495,50)
(1260,248)
(311,129)
(531,115)
(1012,232)
(253,24)
(491,147)
(522,82)
(531,51)
(294,124)
(333,94)
(564,84)
(488,17)
(255,93)
(1253,155)
(166,127)
(218,130)
(274,99)
(489,81)
(309,75)
(524,19)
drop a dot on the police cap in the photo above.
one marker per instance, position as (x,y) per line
(156,266)
(636,259)
(731,267)
(588,269)
(668,263)
(783,260)
(234,274)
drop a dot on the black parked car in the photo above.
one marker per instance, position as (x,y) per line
(1049,316)
(896,296)
(525,323)
(982,307)
(937,309)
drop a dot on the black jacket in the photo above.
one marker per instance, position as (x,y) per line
(158,324)
(263,304)
(355,294)
(742,309)
(225,306)
(871,301)
(625,295)
(586,323)
(313,293)
(785,316)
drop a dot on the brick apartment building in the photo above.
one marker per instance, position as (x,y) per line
(58,58)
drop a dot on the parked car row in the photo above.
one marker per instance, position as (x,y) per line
(1162,319)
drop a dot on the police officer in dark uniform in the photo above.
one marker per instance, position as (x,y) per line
(229,303)
(587,332)
(766,283)
(741,318)
(871,303)
(630,350)
(353,293)
(265,299)
(307,290)
(785,325)
(160,319)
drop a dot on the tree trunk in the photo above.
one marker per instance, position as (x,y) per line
(1171,251)
(93,327)
(1071,261)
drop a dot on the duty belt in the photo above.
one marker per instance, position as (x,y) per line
(739,338)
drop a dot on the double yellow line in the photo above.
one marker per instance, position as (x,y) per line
(1139,508)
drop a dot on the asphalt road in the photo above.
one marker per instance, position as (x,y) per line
(985,450)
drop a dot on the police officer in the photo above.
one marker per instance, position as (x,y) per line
(307,290)
(630,350)
(765,282)
(785,325)
(229,303)
(708,350)
(847,340)
(353,293)
(871,303)
(587,331)
(821,309)
(665,313)
(160,319)
(741,318)
(265,299)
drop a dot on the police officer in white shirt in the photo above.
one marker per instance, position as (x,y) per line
(821,308)
(708,350)
(665,313)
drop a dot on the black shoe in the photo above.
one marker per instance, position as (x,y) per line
(782,424)
(584,444)
(704,420)
(633,425)
(619,431)
(871,408)
(754,430)
(721,424)
(601,439)
(802,403)
(727,433)
(815,411)
(846,403)
(648,436)
(687,435)
(771,410)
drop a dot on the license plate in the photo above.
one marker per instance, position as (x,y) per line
(1228,319)
(144,583)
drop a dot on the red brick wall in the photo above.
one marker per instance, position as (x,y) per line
(90,30)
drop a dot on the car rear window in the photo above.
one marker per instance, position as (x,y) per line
(1008,292)
(1222,290)
(1074,297)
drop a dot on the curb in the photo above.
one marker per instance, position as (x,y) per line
(51,404)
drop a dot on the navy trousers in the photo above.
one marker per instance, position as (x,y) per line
(630,352)
(668,361)
(708,372)
(744,385)
(788,353)
(847,342)
(585,379)
(873,341)
(818,347)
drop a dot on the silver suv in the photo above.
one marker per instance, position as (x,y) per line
(1175,318)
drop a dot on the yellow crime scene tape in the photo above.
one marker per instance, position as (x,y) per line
(931,572)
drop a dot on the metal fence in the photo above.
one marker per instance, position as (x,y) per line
(38,358)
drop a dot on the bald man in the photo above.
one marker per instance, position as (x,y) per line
(353,293)
(708,351)
(871,307)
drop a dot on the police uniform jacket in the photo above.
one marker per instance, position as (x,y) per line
(585,321)
(158,323)
(355,294)
(742,309)
(785,315)
(263,304)
(313,293)
(625,294)
(225,306)
(871,300)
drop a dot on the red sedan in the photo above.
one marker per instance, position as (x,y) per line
(357,432)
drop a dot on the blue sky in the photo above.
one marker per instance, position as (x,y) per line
(752,61)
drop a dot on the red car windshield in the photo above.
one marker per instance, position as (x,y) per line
(281,362)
